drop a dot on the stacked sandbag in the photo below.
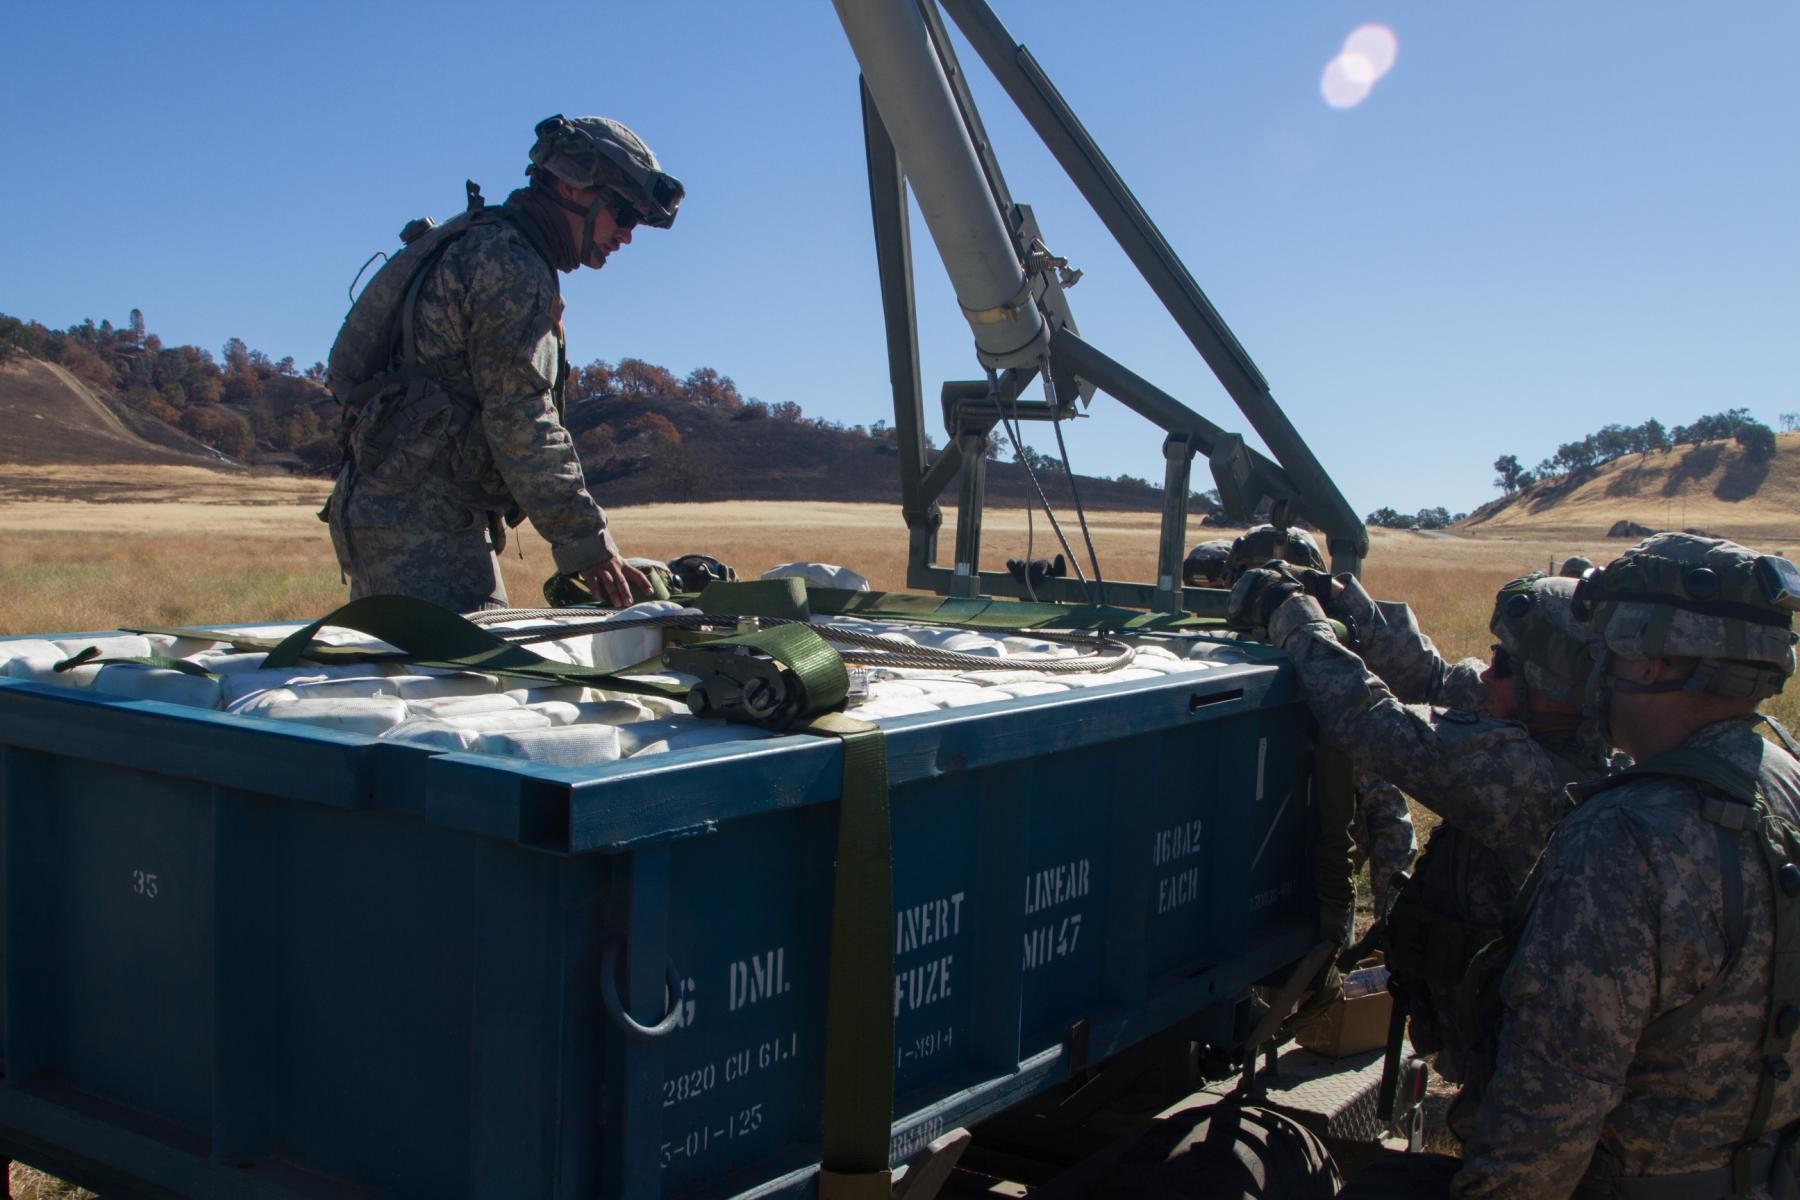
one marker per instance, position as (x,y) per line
(570,725)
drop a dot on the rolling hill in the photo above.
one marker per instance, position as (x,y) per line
(1714,486)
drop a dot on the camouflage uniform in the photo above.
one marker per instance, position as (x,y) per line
(1626,928)
(450,369)
(426,519)
(1496,785)
(1381,830)
(1628,912)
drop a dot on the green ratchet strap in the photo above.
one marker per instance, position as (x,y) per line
(91,657)
(859,1007)
(429,636)
(786,597)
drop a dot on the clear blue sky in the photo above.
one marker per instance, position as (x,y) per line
(1547,216)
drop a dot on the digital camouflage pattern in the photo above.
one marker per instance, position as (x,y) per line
(1497,787)
(480,447)
(1392,645)
(1383,833)
(1626,927)
(1692,569)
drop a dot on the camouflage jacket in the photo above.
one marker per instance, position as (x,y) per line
(488,323)
(1496,786)
(1392,645)
(1626,925)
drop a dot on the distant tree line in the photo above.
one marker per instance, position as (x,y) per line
(243,403)
(1616,441)
(1425,518)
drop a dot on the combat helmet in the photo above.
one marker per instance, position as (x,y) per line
(1680,595)
(599,152)
(1552,653)
(1261,543)
(1575,566)
(1206,563)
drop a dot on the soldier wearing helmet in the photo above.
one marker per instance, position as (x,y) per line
(1206,564)
(1265,543)
(1487,747)
(450,370)
(1382,831)
(1645,1001)
(1575,566)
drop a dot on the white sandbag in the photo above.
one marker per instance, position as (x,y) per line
(1026,644)
(1105,677)
(557,712)
(366,680)
(614,650)
(1034,687)
(442,684)
(561,746)
(500,720)
(823,574)
(661,707)
(434,735)
(438,706)
(117,645)
(568,693)
(899,706)
(593,712)
(660,737)
(1155,651)
(255,704)
(347,714)
(43,670)
(964,699)
(894,689)
(168,646)
(229,662)
(575,651)
(158,683)
(959,641)
(13,648)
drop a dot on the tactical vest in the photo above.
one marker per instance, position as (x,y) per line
(1731,801)
(1434,928)
(374,369)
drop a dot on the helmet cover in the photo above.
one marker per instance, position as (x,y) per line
(1680,595)
(1534,619)
(599,152)
(1260,544)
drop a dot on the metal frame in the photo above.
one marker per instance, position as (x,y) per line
(1295,481)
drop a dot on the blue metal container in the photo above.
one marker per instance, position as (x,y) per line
(246,959)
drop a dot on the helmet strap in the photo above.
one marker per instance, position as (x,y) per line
(546,182)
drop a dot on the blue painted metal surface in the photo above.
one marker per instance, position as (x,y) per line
(248,960)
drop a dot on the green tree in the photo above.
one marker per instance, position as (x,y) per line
(1507,471)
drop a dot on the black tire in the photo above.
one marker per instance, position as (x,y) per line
(1226,1151)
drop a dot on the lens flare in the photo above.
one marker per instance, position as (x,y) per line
(1376,43)
(1368,54)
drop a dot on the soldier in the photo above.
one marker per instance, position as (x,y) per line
(1575,566)
(1382,831)
(1492,766)
(1647,1013)
(450,369)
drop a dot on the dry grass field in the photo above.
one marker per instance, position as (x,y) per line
(93,548)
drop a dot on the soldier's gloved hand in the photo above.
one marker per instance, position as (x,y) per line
(1320,586)
(1256,596)
(613,581)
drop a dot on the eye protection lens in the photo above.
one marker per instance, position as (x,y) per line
(624,215)
(1581,602)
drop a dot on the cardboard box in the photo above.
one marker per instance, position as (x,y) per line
(1353,1025)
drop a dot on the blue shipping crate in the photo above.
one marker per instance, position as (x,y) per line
(250,959)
